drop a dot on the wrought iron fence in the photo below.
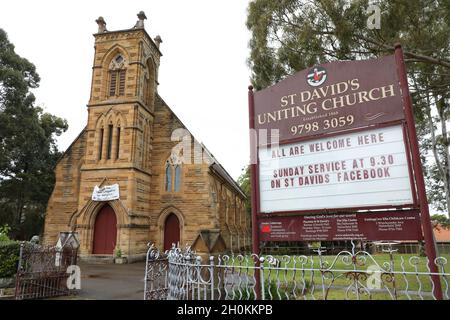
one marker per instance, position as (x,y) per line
(182,274)
(42,271)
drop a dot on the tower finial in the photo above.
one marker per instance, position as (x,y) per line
(101,25)
(158,40)
(140,22)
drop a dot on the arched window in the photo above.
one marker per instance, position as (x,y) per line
(149,83)
(168,183)
(146,88)
(100,149)
(118,142)
(117,76)
(110,140)
(177,178)
(173,174)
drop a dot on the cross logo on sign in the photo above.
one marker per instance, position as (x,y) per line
(316,76)
(265,228)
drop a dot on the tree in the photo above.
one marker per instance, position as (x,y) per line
(244,183)
(28,151)
(440,221)
(291,35)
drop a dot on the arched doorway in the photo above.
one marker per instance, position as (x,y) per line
(171,231)
(105,231)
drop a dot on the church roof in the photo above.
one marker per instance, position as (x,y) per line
(215,166)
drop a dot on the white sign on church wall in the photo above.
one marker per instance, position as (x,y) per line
(356,170)
(106,193)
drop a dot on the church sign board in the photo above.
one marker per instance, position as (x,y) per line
(343,149)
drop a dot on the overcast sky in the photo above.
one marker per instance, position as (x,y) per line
(203,74)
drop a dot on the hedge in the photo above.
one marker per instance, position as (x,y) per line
(9,258)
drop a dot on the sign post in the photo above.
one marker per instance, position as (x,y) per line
(254,188)
(430,247)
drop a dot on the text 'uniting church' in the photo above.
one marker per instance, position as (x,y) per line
(171,189)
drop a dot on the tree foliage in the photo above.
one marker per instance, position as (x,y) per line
(291,35)
(244,182)
(28,151)
(440,221)
(4,233)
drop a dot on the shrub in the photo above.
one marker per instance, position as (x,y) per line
(118,253)
(9,258)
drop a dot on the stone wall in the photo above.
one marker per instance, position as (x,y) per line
(63,203)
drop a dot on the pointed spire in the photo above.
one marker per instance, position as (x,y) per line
(158,40)
(101,25)
(140,23)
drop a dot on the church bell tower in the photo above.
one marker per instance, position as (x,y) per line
(120,132)
(121,105)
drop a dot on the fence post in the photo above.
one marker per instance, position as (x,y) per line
(146,272)
(198,263)
(19,267)
(187,263)
(322,266)
(211,273)
(261,277)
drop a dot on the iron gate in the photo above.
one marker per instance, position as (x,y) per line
(42,271)
(156,268)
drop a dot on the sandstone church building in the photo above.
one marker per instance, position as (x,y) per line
(171,189)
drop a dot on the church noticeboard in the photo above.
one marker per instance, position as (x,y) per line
(360,169)
(106,193)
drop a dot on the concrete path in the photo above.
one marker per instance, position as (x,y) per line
(111,282)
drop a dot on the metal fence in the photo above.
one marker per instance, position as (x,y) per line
(181,274)
(42,271)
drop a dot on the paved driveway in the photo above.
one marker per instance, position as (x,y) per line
(112,281)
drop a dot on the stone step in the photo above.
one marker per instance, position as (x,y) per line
(97,259)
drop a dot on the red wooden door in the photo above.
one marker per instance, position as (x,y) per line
(105,231)
(171,231)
